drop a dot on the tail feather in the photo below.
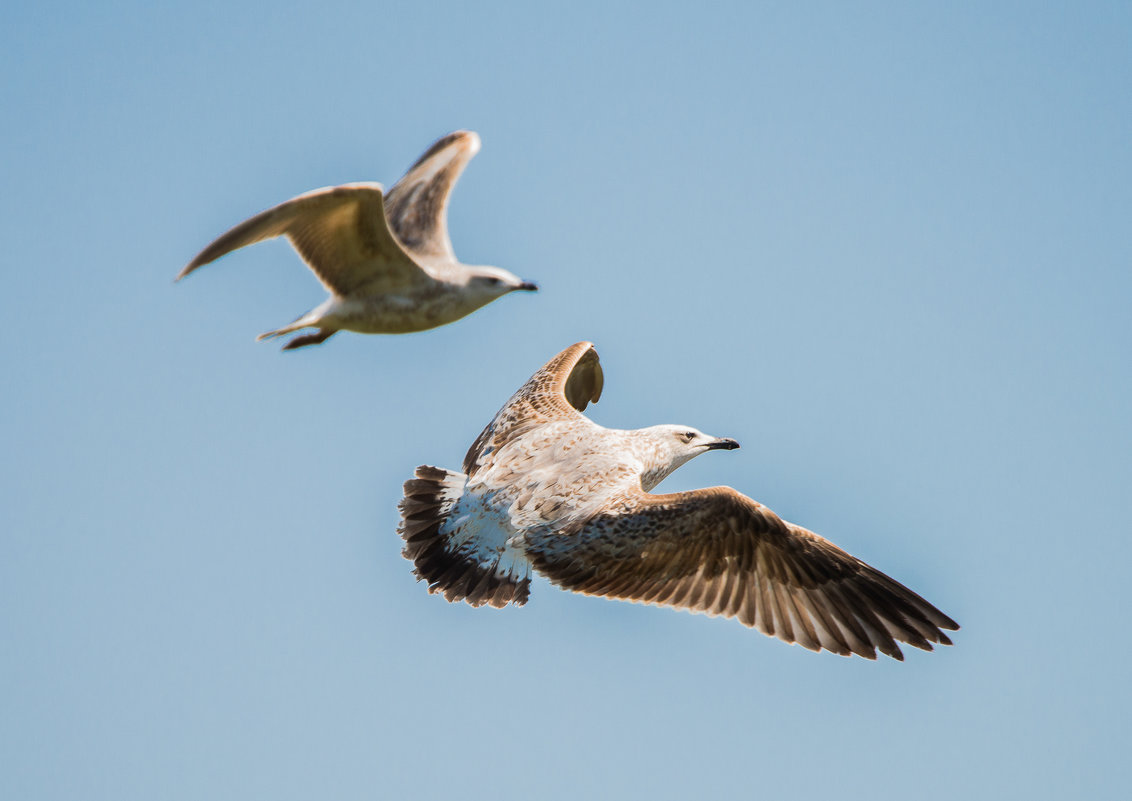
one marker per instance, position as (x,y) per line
(464,564)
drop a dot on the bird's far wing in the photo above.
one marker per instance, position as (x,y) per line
(340,232)
(719,552)
(417,205)
(560,390)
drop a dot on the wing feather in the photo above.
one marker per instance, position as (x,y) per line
(718,552)
(417,205)
(560,390)
(341,234)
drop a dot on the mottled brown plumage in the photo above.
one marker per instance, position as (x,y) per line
(545,488)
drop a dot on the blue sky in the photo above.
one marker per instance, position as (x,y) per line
(887,249)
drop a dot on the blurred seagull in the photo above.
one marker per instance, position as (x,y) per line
(545,488)
(386,259)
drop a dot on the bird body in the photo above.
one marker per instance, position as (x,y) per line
(545,489)
(385,258)
(428,305)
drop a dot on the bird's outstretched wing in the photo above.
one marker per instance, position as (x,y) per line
(417,205)
(719,552)
(341,233)
(560,390)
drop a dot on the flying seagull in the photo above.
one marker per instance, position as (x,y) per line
(385,258)
(544,488)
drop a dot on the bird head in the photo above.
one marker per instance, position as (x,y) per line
(669,446)
(493,282)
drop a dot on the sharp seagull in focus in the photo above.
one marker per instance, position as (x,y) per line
(543,488)
(385,258)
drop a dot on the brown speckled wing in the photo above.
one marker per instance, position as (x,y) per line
(340,232)
(718,552)
(560,390)
(417,206)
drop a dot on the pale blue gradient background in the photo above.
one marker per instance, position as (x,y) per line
(886,249)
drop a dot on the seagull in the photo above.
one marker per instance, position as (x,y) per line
(385,258)
(545,489)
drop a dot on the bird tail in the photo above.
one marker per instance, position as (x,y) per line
(459,555)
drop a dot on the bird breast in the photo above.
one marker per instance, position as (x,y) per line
(554,476)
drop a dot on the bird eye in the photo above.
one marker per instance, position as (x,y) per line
(688,436)
(493,281)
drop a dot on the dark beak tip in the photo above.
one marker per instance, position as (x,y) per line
(529,286)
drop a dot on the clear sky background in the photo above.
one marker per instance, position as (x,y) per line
(887,249)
